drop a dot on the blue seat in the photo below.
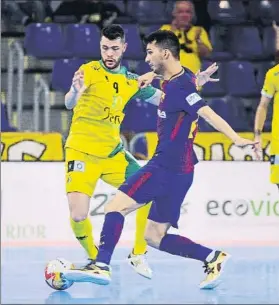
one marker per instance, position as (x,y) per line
(232,110)
(275,10)
(82,40)
(269,41)
(245,42)
(146,114)
(213,89)
(135,46)
(234,14)
(260,11)
(239,114)
(220,41)
(44,40)
(148,11)
(240,79)
(221,108)
(63,72)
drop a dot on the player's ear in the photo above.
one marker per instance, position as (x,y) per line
(166,54)
(125,46)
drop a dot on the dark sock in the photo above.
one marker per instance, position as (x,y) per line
(182,246)
(111,232)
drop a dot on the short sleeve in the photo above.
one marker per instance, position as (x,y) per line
(145,93)
(190,100)
(88,74)
(268,89)
(142,93)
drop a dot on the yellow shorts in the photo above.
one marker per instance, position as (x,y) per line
(274,160)
(83,170)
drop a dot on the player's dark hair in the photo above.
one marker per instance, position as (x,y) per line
(113,32)
(164,40)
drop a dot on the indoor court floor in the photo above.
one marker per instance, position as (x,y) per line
(251,277)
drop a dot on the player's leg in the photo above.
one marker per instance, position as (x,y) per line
(137,258)
(125,165)
(138,188)
(164,213)
(80,183)
(115,212)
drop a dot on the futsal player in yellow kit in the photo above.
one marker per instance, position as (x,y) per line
(99,93)
(270,91)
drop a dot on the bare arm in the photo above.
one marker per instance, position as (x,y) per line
(218,123)
(73,96)
(261,114)
(77,89)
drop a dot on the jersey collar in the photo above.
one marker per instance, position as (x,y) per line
(165,82)
(122,69)
(177,75)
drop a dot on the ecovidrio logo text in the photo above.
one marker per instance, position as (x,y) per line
(265,206)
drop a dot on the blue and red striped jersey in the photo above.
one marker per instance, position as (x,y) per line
(177,123)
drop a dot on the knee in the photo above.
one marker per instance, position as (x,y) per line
(153,237)
(78,217)
(79,207)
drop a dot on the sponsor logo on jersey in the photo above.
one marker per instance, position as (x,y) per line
(193,98)
(162,114)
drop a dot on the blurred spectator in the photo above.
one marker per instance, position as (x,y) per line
(193,39)
(99,12)
(5,125)
(25,12)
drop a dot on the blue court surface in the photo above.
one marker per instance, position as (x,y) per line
(251,277)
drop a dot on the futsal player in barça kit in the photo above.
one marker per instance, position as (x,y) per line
(167,177)
(270,91)
(98,96)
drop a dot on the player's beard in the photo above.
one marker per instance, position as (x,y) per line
(117,63)
(159,70)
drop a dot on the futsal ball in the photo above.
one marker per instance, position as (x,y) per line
(54,274)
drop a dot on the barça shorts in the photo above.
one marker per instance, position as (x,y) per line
(166,190)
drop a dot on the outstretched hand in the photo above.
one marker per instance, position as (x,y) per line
(205,76)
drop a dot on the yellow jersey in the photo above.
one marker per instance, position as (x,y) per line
(189,56)
(271,89)
(95,127)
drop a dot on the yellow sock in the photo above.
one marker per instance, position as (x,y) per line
(83,233)
(141,221)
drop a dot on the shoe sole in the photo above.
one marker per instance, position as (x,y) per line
(82,276)
(218,280)
(135,269)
